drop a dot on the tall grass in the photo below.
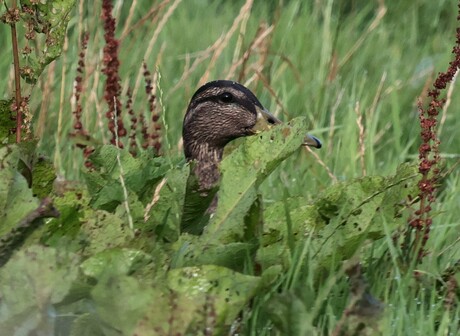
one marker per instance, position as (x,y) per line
(355,69)
(321,58)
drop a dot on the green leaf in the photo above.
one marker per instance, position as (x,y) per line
(340,219)
(120,302)
(31,283)
(360,209)
(116,261)
(192,252)
(290,315)
(16,198)
(140,175)
(227,291)
(86,325)
(104,230)
(65,230)
(43,176)
(165,213)
(20,214)
(7,123)
(172,314)
(243,171)
(129,306)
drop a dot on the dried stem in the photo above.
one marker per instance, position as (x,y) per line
(362,146)
(244,12)
(14,17)
(122,172)
(321,162)
(153,40)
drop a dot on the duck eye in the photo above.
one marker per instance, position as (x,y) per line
(226,98)
(271,121)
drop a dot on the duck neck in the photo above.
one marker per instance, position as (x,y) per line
(207,159)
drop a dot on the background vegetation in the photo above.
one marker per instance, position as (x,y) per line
(353,69)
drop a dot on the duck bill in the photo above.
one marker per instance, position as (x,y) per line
(312,141)
(266,120)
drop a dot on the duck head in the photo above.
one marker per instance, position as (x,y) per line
(221,111)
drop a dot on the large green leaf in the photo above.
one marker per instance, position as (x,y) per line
(117,261)
(120,302)
(243,171)
(222,291)
(172,314)
(192,252)
(31,283)
(364,207)
(166,211)
(20,212)
(140,175)
(65,230)
(340,219)
(103,230)
(16,198)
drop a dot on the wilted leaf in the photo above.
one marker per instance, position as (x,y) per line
(53,17)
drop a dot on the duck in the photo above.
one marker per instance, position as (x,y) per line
(220,111)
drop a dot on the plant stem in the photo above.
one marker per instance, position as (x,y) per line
(17,78)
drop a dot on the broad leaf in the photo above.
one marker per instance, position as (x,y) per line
(140,175)
(16,198)
(243,171)
(340,219)
(116,261)
(192,252)
(221,290)
(31,283)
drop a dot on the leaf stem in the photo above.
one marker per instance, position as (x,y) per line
(17,77)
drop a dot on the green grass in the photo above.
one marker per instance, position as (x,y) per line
(308,69)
